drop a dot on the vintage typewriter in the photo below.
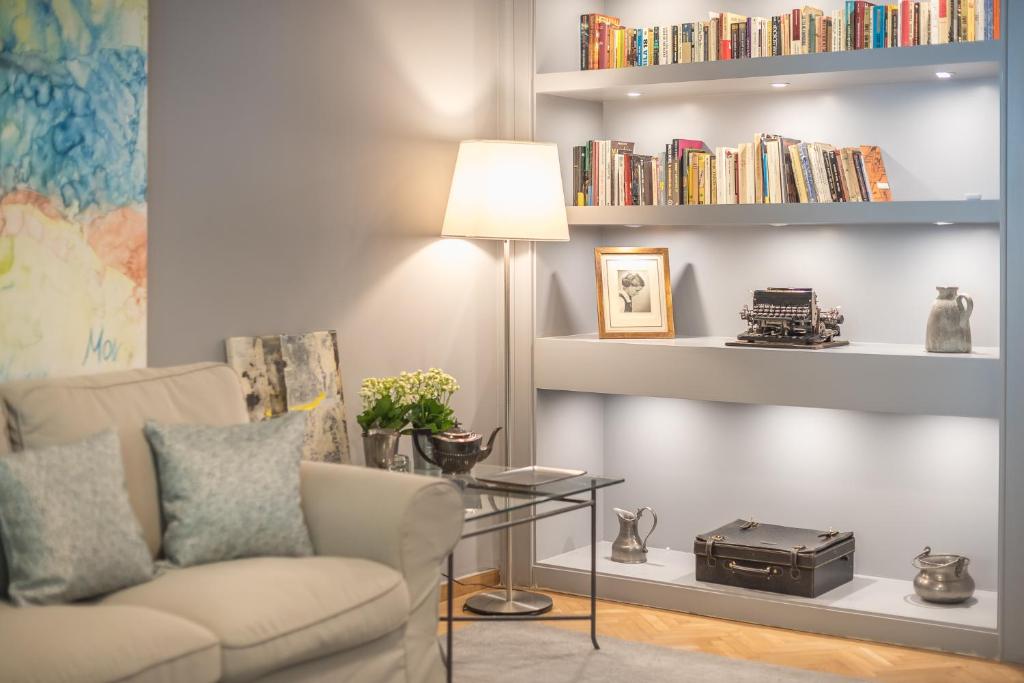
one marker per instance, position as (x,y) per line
(782,317)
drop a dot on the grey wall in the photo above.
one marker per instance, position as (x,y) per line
(300,156)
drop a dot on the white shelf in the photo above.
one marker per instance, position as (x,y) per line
(983,212)
(867,607)
(888,378)
(826,70)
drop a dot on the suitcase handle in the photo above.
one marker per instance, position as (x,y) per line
(767,572)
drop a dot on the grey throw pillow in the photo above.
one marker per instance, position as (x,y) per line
(230,492)
(67,526)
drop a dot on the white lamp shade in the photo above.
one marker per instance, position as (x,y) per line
(506,190)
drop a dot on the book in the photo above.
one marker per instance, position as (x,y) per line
(874,171)
(855,25)
(771,169)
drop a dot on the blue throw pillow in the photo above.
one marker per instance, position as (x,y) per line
(68,529)
(231,492)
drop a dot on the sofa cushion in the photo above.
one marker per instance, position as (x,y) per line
(90,643)
(49,412)
(231,492)
(67,527)
(272,612)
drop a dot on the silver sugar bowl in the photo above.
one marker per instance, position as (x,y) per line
(942,578)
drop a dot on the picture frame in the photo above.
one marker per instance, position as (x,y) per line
(634,293)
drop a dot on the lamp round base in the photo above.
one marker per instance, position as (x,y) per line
(496,603)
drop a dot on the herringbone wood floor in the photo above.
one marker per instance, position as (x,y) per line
(778,646)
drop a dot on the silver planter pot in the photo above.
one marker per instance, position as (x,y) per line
(380,448)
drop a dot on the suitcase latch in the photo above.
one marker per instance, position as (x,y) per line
(794,571)
(710,544)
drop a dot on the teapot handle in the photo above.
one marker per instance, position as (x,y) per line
(965,308)
(640,511)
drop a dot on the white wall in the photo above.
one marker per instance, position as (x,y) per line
(300,156)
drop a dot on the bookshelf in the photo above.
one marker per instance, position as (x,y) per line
(938,213)
(706,434)
(826,70)
(867,605)
(887,378)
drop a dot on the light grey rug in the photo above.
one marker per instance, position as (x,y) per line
(536,653)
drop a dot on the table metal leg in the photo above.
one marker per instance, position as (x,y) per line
(593,568)
(450,615)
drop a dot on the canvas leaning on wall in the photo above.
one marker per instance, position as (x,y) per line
(289,373)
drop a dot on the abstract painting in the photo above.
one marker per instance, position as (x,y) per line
(288,373)
(72,186)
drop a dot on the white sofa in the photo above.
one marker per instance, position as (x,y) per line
(363,609)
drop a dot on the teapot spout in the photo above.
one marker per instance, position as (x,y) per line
(485,452)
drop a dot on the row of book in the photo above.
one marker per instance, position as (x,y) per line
(771,169)
(606,43)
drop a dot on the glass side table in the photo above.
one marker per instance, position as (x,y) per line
(486,504)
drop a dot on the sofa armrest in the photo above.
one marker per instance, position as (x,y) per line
(408,522)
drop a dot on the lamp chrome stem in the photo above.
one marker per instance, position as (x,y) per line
(509,601)
(507,248)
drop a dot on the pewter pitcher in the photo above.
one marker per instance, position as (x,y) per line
(942,578)
(380,447)
(628,547)
(949,323)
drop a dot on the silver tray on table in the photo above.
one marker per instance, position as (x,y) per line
(530,476)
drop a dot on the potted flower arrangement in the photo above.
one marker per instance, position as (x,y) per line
(391,405)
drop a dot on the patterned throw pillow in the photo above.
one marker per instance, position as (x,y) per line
(68,529)
(230,492)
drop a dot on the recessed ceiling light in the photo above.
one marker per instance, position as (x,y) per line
(634,94)
(634,225)
(944,74)
(780,84)
(778,225)
(943,222)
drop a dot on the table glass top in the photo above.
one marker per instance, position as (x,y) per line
(483,499)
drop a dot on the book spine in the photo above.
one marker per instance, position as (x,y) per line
(794,32)
(584,43)
(808,172)
(821,188)
(829,177)
(878,26)
(798,173)
(862,176)
(833,160)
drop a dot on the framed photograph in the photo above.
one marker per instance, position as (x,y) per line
(634,293)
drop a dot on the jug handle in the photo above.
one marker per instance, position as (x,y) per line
(926,553)
(640,511)
(417,434)
(965,308)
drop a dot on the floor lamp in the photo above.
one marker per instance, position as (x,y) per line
(507,190)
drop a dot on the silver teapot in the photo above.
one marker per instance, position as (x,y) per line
(455,451)
(942,578)
(628,547)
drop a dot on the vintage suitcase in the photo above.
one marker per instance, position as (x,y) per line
(779,559)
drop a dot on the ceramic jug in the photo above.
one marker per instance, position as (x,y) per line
(628,547)
(949,324)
